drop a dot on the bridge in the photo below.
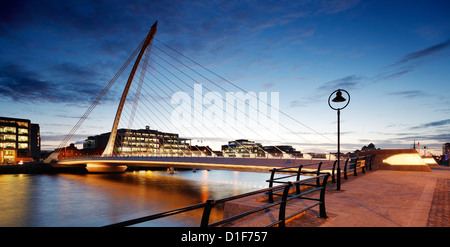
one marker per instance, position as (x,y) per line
(170,151)
(120,164)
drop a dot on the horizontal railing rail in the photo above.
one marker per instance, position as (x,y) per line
(352,165)
(296,171)
(285,197)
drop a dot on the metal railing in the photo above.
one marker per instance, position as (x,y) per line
(294,171)
(352,165)
(285,197)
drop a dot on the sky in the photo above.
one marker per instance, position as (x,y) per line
(391,56)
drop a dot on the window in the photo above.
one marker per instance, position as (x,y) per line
(8,145)
(23,131)
(23,138)
(23,145)
(7,137)
(8,130)
(22,124)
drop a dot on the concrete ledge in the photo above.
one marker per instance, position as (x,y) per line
(398,160)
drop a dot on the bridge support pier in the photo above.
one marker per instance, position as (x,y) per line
(104,168)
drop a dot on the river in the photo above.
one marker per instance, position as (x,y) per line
(66,200)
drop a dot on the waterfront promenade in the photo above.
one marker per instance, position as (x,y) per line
(386,198)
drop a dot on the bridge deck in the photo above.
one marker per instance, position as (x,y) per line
(219,163)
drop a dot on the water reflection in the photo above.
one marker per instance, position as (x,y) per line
(101,199)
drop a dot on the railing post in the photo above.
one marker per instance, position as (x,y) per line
(355,173)
(345,168)
(318,173)
(333,180)
(297,185)
(364,167)
(282,214)
(271,185)
(371,160)
(322,211)
(206,212)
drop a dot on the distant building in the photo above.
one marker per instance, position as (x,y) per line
(244,148)
(279,150)
(70,152)
(140,142)
(446,150)
(318,155)
(20,141)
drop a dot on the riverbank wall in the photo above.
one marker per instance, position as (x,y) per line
(38,168)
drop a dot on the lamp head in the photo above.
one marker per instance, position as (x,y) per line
(338,97)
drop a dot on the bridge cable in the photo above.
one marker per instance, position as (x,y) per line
(287,115)
(99,97)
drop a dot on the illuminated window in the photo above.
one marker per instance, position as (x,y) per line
(22,124)
(23,138)
(8,130)
(23,145)
(7,137)
(9,152)
(8,145)
(23,131)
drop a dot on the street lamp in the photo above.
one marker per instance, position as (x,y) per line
(338,107)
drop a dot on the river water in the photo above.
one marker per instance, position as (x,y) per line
(102,199)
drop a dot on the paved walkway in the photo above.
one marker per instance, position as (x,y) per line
(385,198)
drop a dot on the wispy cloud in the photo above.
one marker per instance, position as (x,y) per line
(348,82)
(433,124)
(409,62)
(423,53)
(408,93)
(403,66)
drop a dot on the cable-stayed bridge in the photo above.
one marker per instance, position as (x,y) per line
(156,95)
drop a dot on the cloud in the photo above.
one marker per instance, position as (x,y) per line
(408,93)
(336,6)
(439,138)
(348,83)
(423,53)
(409,62)
(403,66)
(433,124)
(21,85)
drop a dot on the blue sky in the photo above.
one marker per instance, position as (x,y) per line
(391,56)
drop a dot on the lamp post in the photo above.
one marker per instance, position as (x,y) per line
(338,99)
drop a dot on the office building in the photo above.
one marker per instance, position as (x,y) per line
(140,142)
(243,148)
(283,149)
(19,141)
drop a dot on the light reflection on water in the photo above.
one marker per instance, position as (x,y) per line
(101,199)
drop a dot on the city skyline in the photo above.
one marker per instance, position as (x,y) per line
(392,57)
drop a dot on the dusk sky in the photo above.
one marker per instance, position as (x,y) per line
(391,56)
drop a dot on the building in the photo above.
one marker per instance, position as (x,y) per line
(70,152)
(446,150)
(19,141)
(243,148)
(140,142)
(279,150)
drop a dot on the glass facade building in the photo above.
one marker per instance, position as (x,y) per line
(243,148)
(141,142)
(19,141)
